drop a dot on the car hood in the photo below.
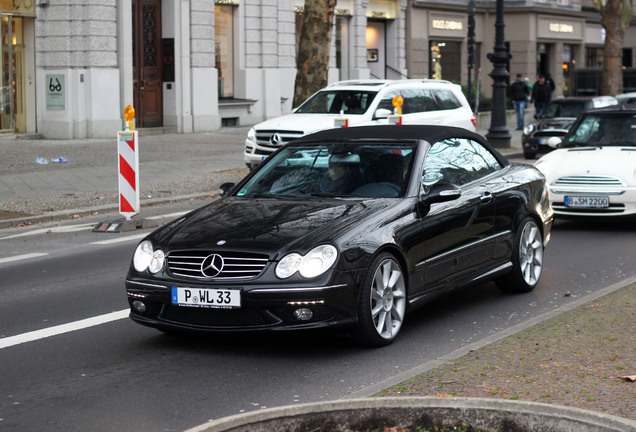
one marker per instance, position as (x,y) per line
(588,162)
(307,123)
(555,123)
(268,226)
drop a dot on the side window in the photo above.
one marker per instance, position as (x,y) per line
(387,100)
(457,161)
(447,100)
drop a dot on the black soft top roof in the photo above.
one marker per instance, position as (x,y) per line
(430,134)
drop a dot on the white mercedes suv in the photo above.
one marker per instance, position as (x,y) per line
(362,102)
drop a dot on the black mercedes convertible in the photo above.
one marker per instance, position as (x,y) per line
(348,228)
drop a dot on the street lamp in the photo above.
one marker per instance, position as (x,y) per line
(498,134)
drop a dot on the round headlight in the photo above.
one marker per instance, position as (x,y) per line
(315,263)
(289,265)
(318,261)
(528,129)
(143,256)
(156,263)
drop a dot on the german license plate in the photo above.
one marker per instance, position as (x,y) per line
(206,298)
(586,201)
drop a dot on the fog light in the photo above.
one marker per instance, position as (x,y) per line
(303,314)
(139,306)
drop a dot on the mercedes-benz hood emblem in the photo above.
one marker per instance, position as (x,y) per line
(212,265)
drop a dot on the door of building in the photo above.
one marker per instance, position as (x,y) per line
(12,106)
(147,63)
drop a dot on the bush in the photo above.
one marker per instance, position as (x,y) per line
(485,102)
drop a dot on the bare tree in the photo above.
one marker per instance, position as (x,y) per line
(615,18)
(312,63)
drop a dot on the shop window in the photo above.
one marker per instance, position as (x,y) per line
(445,60)
(627,57)
(224,49)
(594,57)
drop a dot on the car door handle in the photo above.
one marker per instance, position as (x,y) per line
(486,197)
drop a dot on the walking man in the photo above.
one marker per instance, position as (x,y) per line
(541,95)
(518,92)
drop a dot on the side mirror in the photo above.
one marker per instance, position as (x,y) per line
(382,113)
(554,142)
(225,188)
(439,192)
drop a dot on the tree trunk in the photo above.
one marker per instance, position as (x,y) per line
(612,71)
(312,63)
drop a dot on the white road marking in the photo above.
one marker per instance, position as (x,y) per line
(120,239)
(82,227)
(21,257)
(169,215)
(59,229)
(63,328)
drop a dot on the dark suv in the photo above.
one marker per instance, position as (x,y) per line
(556,120)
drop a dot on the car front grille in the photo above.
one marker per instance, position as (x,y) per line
(273,139)
(591,181)
(549,133)
(227,265)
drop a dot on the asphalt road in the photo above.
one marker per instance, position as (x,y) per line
(109,374)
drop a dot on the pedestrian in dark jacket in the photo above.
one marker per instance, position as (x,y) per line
(541,95)
(518,92)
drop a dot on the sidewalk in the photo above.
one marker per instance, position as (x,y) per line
(172,167)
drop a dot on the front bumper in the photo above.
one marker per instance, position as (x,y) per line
(262,307)
(254,153)
(622,201)
(539,143)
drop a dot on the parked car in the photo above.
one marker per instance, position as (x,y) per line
(592,173)
(363,102)
(558,117)
(626,98)
(346,228)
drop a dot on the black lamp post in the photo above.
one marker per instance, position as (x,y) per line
(498,134)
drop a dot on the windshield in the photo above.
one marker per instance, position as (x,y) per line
(333,170)
(334,101)
(604,129)
(569,109)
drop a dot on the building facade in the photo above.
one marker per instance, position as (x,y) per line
(554,37)
(69,67)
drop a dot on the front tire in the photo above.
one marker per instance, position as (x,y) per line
(382,302)
(527,259)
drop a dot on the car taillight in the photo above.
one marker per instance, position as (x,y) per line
(474,120)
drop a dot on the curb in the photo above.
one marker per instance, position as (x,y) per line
(375,413)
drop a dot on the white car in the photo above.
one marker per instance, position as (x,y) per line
(363,102)
(593,170)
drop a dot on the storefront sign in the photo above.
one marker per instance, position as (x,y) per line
(55,92)
(226,2)
(561,28)
(442,24)
(382,9)
(26,7)
(551,28)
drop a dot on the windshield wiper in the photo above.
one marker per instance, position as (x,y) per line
(332,195)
